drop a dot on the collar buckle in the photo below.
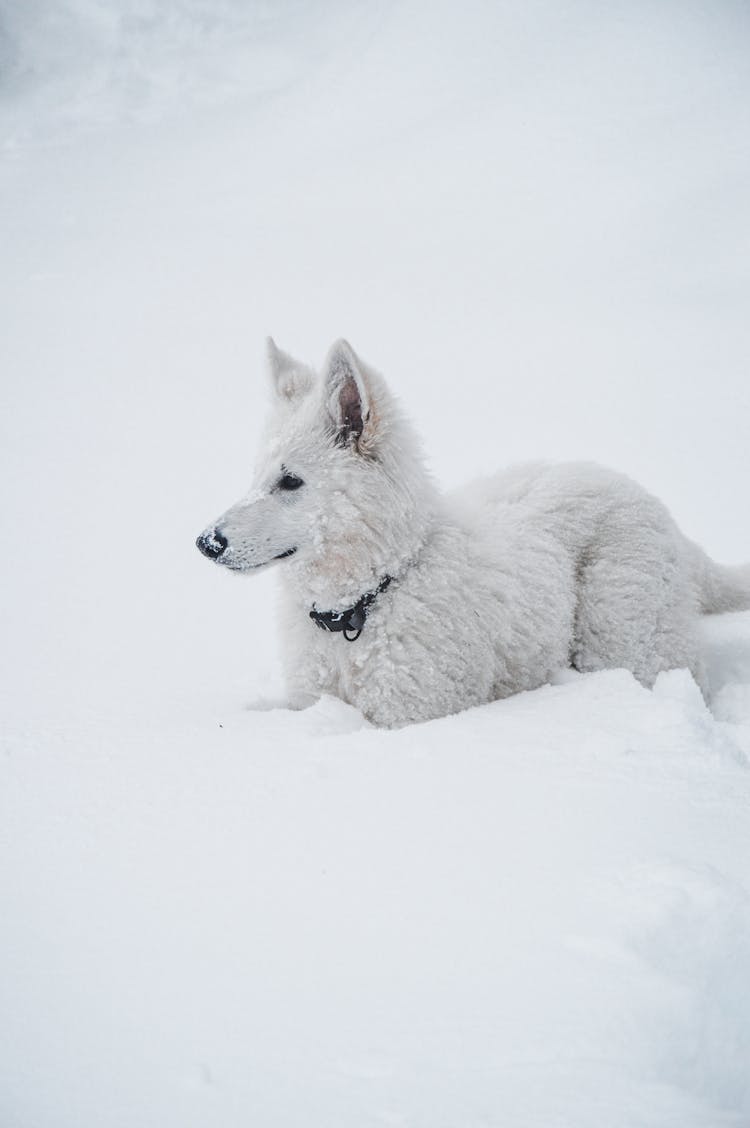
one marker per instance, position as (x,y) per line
(351,620)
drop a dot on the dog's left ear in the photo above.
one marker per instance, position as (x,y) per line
(347,395)
(290,378)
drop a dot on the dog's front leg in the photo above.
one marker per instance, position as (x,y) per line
(307,670)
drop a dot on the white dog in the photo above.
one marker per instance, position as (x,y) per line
(409,604)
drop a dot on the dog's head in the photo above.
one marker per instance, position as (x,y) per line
(334,469)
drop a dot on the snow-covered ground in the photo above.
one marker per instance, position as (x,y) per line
(533,218)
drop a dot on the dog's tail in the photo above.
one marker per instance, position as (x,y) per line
(721,587)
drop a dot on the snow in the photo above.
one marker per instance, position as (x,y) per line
(216,911)
(533,913)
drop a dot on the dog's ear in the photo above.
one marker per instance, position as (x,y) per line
(290,378)
(347,395)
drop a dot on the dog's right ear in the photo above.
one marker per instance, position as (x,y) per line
(290,378)
(347,395)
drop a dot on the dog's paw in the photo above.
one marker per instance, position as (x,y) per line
(267,703)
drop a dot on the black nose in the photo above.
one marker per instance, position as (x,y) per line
(212,544)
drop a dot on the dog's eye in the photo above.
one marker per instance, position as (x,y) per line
(289,481)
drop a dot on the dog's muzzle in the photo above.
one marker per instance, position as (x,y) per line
(212,544)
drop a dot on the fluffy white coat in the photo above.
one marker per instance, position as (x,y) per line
(494,588)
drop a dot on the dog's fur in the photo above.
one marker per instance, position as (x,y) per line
(494,588)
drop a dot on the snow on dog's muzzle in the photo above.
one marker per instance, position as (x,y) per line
(212,543)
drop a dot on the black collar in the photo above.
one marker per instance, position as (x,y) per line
(352,619)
